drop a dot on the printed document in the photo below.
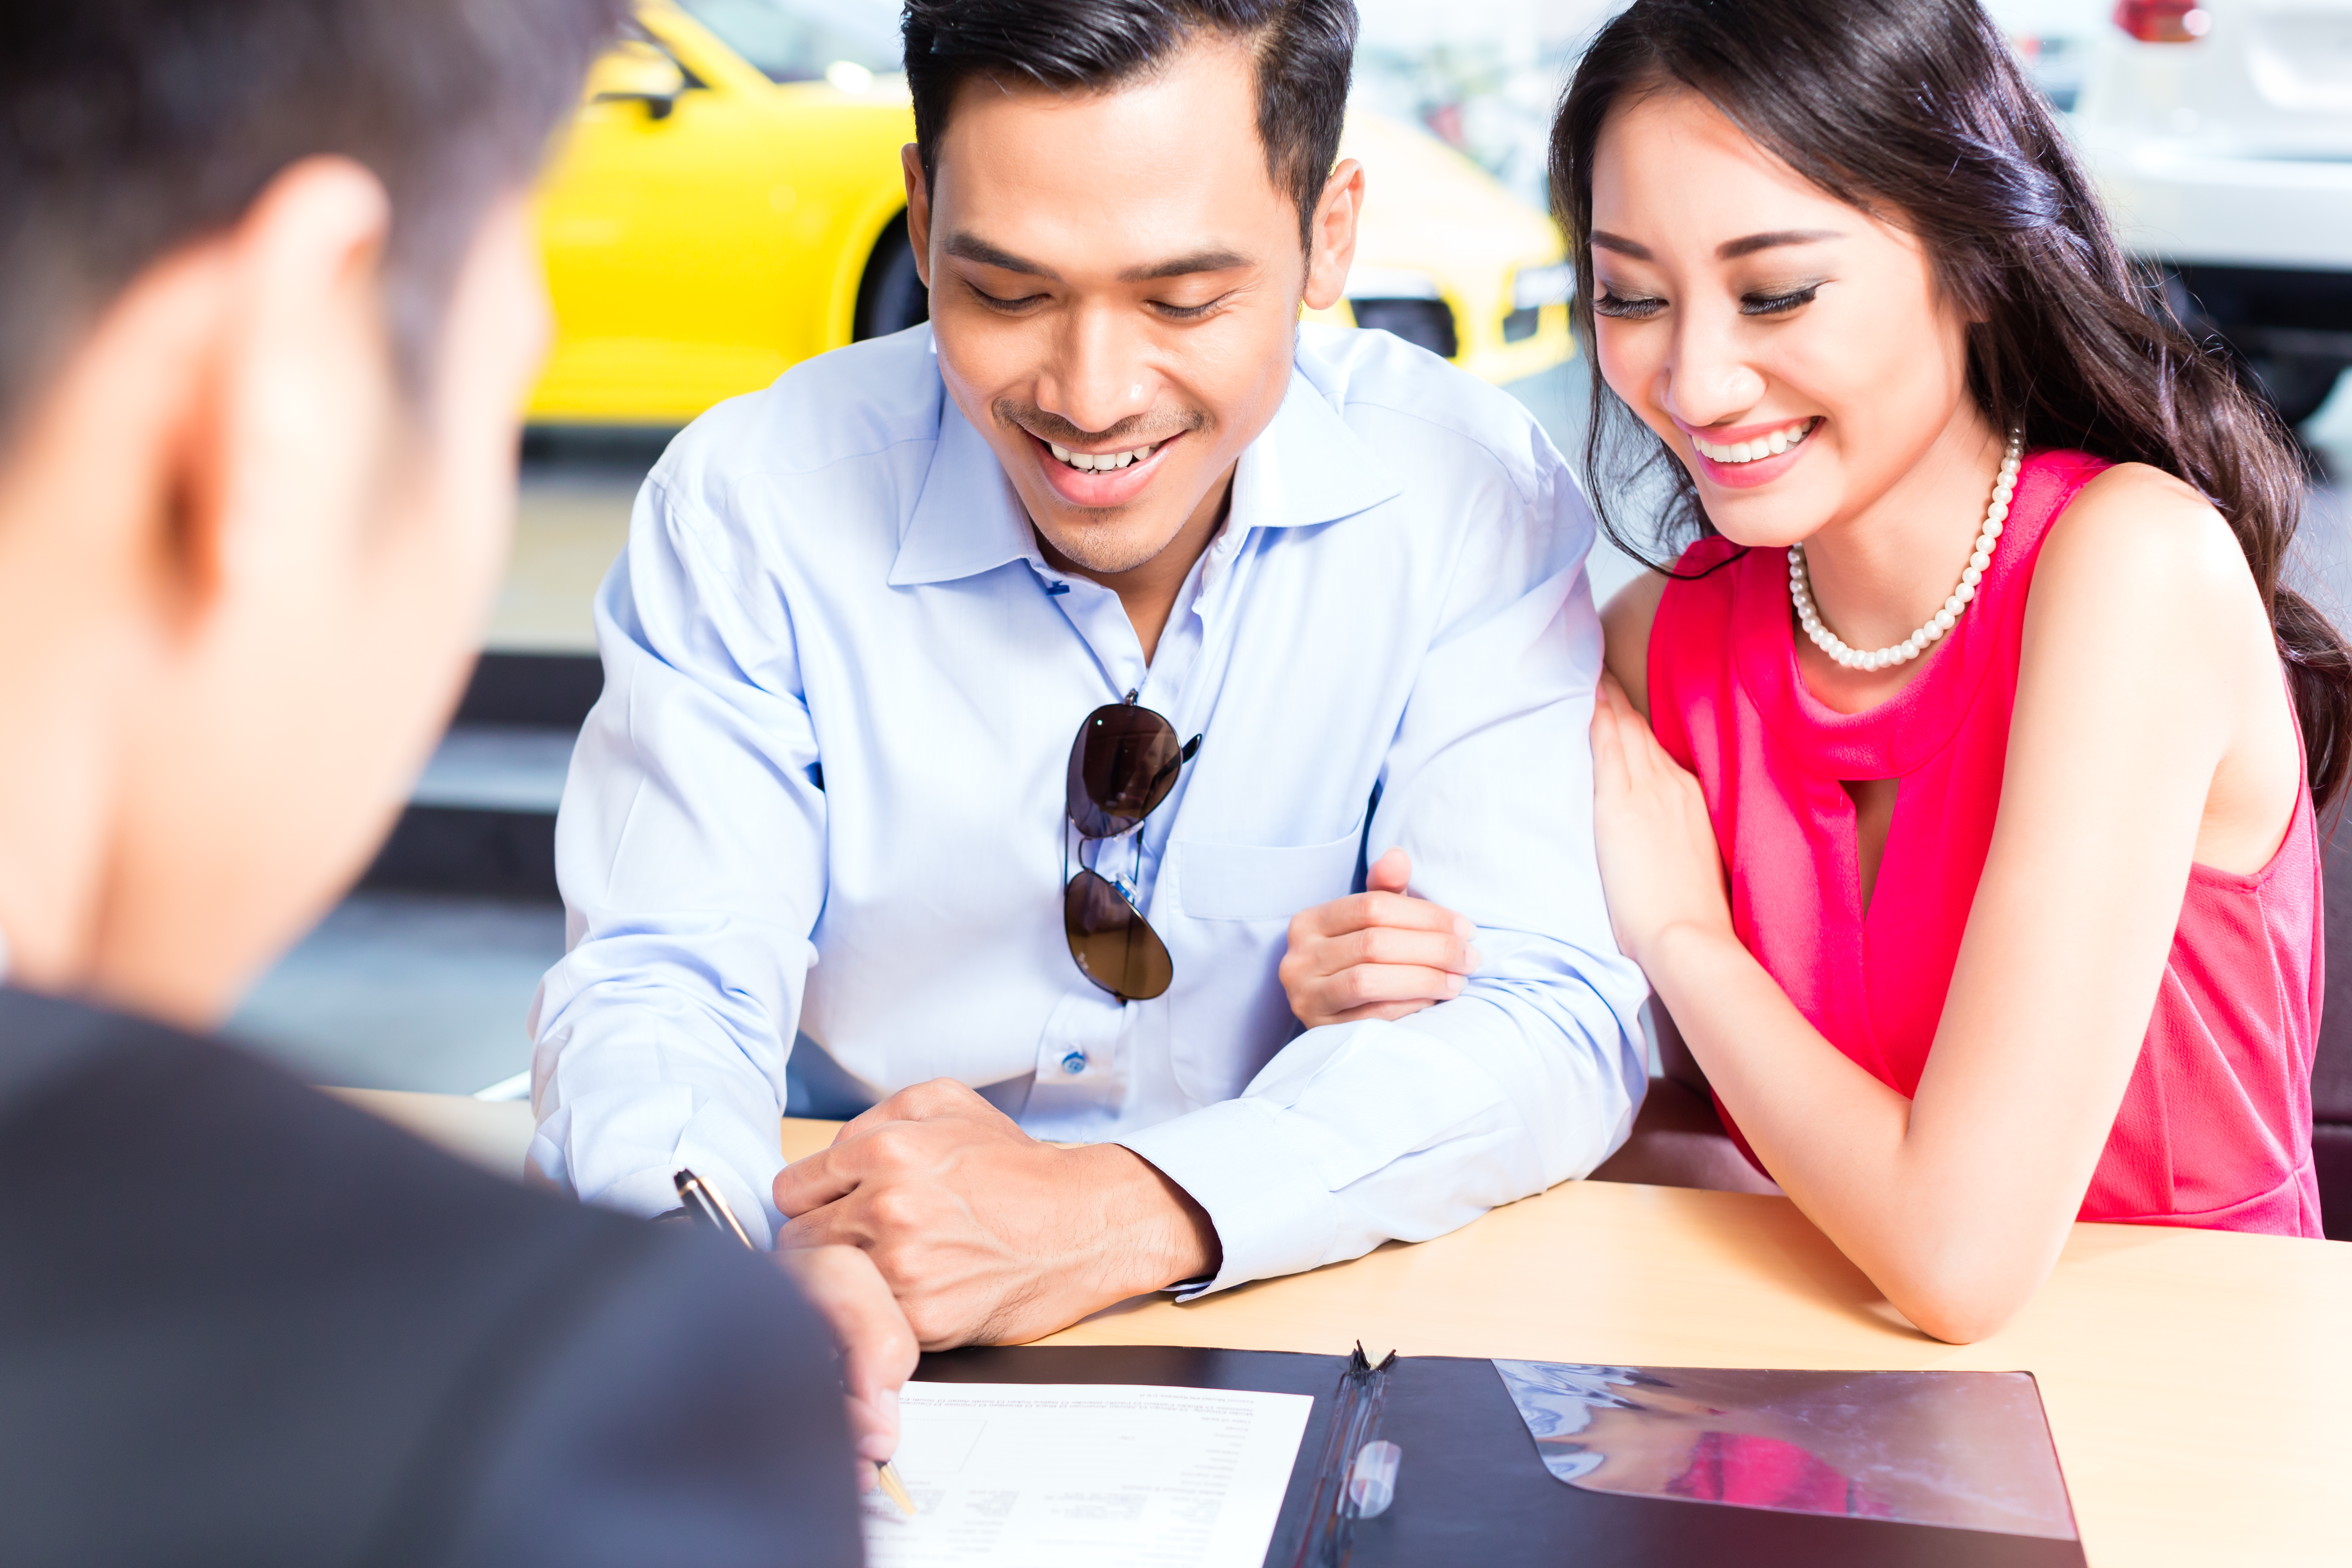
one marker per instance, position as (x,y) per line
(1020,1475)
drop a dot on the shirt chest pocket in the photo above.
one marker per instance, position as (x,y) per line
(1260,882)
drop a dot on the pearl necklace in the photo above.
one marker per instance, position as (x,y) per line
(1800,592)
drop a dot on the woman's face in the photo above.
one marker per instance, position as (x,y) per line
(1792,352)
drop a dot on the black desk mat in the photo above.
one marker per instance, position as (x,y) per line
(1471,1490)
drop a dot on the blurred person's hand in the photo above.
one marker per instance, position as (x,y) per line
(877,1348)
(1379,953)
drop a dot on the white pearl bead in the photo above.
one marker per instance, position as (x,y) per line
(1965,592)
(1943,621)
(1952,604)
(1979,560)
(1993,529)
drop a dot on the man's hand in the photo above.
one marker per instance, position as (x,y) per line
(877,1348)
(985,1234)
(1379,953)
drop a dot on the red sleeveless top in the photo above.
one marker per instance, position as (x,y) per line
(2215,1128)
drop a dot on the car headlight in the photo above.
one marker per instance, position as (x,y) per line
(1533,288)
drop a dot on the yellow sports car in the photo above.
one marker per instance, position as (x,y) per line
(729,203)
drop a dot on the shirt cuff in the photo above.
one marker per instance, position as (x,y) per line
(1272,1212)
(629,1160)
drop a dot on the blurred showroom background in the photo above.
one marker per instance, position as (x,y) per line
(726,207)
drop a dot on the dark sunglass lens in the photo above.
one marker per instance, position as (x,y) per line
(1122,764)
(1115,947)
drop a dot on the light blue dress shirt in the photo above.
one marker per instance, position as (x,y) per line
(813,835)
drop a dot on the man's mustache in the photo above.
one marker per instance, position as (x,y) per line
(1142,430)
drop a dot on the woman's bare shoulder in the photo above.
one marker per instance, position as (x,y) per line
(2137,541)
(1625,622)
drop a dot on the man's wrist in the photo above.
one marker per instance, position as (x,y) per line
(1156,1234)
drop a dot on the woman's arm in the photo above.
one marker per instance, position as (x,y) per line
(2149,687)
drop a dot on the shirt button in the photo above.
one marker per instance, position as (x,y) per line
(1075,1063)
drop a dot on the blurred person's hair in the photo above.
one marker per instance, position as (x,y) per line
(132,128)
(1917,112)
(1303,50)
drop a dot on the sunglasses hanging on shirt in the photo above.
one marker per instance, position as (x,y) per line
(1122,765)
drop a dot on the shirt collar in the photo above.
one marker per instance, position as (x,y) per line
(1306,468)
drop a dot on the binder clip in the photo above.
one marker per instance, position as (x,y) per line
(1357,1477)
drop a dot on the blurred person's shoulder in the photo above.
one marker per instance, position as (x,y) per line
(242,1322)
(1429,419)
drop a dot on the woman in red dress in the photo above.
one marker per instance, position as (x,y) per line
(1956,787)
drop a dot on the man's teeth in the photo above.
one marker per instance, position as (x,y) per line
(1100,462)
(1771,446)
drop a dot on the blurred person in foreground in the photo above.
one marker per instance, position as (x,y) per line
(271,299)
(980,703)
(1957,786)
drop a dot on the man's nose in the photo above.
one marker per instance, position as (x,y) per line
(1710,378)
(1098,374)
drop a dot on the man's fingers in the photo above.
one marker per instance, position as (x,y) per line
(1387,1012)
(1390,945)
(813,1181)
(1392,873)
(828,1224)
(1372,983)
(1358,911)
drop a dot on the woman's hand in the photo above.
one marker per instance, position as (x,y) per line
(1379,954)
(877,1348)
(1660,867)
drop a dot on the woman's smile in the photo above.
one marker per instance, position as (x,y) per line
(1760,455)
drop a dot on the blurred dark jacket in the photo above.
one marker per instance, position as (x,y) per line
(241,1324)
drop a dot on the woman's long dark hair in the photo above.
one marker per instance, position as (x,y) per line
(1916,110)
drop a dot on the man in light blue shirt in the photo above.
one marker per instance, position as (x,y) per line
(818,838)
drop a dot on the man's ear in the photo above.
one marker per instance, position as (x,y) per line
(1331,247)
(919,209)
(302,373)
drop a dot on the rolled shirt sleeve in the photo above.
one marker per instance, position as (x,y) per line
(1355,1133)
(663,1034)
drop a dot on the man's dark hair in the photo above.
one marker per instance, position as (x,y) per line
(130,128)
(1304,49)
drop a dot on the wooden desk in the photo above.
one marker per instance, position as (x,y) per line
(2199,1383)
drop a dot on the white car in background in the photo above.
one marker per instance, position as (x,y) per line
(2221,134)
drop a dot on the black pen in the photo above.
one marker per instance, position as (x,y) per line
(709,1209)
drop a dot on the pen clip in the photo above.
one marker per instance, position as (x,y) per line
(709,1209)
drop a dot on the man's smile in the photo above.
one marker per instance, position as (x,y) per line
(1111,477)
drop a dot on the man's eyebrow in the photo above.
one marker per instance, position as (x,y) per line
(971,247)
(1185,266)
(1748,245)
(1604,240)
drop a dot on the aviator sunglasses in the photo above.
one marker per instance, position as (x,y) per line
(1122,765)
